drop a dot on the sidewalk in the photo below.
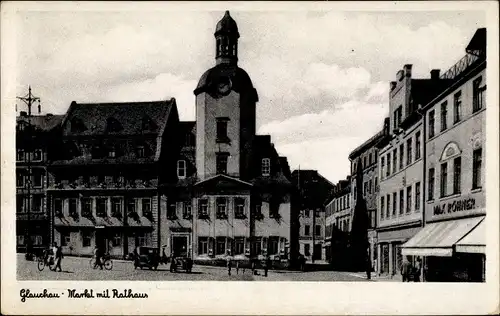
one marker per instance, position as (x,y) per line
(378,278)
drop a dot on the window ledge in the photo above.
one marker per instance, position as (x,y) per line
(476,190)
(447,197)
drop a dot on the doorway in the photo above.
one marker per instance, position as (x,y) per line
(317,252)
(101,240)
(180,246)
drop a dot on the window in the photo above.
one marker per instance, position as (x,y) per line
(187,212)
(388,210)
(307,249)
(20,155)
(417,145)
(408,199)
(19,204)
(20,240)
(394,202)
(478,95)
(431,124)
(239,245)
(37,155)
(401,202)
(140,152)
(388,170)
(86,238)
(401,156)
(58,207)
(146,207)
(181,169)
(382,163)
(131,209)
(112,152)
(317,230)
(37,203)
(116,207)
(172,210)
(307,213)
(444,115)
(457,106)
(221,162)
(19,179)
(86,207)
(382,207)
(457,170)
(476,168)
(189,140)
(444,178)
(221,204)
(370,183)
(37,179)
(117,240)
(365,187)
(72,207)
(394,160)
(202,245)
(266,167)
(142,239)
(203,208)
(307,230)
(409,151)
(364,162)
(369,159)
(398,113)
(221,246)
(432,175)
(417,196)
(101,207)
(65,239)
(376,185)
(239,208)
(222,130)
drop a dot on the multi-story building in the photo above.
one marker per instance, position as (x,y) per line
(35,137)
(314,192)
(104,175)
(453,239)
(401,166)
(338,212)
(367,155)
(230,192)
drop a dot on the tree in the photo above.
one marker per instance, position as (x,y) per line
(359,230)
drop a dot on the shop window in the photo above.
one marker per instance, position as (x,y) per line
(20,155)
(65,239)
(457,174)
(86,238)
(221,163)
(181,169)
(116,207)
(221,246)
(117,240)
(86,207)
(306,230)
(417,145)
(202,245)
(239,208)
(221,204)
(266,167)
(101,207)
(272,247)
(444,115)
(203,208)
(477,161)
(187,210)
(478,95)
(431,124)
(417,196)
(444,179)
(457,107)
(430,194)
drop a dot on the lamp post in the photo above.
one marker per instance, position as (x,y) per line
(29,99)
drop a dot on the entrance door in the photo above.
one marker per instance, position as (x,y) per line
(317,252)
(180,246)
(101,240)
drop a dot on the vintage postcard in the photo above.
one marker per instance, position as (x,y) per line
(158,157)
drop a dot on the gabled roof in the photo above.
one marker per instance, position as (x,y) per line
(224,178)
(478,41)
(43,123)
(129,116)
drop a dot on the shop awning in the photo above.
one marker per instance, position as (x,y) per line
(475,241)
(438,239)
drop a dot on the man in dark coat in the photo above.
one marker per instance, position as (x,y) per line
(58,257)
(406,270)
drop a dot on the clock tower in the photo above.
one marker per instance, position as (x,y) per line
(225,110)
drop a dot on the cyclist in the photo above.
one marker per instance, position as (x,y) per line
(98,257)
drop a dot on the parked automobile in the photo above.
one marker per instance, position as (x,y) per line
(181,263)
(147,257)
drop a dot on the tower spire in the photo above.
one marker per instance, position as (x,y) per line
(226,37)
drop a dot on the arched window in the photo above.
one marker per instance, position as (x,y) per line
(181,169)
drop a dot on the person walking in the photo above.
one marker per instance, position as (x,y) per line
(267,264)
(98,257)
(57,257)
(417,270)
(229,265)
(406,270)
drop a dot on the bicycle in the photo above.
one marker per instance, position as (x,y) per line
(107,262)
(45,260)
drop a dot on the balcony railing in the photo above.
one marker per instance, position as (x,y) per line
(460,66)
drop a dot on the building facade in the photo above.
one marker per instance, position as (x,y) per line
(453,239)
(338,212)
(34,140)
(314,192)
(401,166)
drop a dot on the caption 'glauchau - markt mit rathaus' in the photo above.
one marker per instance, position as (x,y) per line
(123,175)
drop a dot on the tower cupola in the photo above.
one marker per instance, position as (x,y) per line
(226,36)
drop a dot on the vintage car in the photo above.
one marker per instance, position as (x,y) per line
(181,263)
(147,257)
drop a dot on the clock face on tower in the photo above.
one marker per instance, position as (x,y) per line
(224,86)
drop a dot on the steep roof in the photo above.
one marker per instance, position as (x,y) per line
(227,25)
(42,123)
(128,117)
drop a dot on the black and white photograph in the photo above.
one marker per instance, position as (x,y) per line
(158,143)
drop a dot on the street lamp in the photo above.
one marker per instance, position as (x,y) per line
(29,99)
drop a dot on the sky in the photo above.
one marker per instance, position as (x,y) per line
(322,76)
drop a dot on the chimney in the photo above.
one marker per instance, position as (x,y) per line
(435,74)
(23,114)
(407,69)
(393,85)
(399,75)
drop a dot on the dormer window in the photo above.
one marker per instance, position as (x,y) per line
(266,167)
(181,169)
(112,125)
